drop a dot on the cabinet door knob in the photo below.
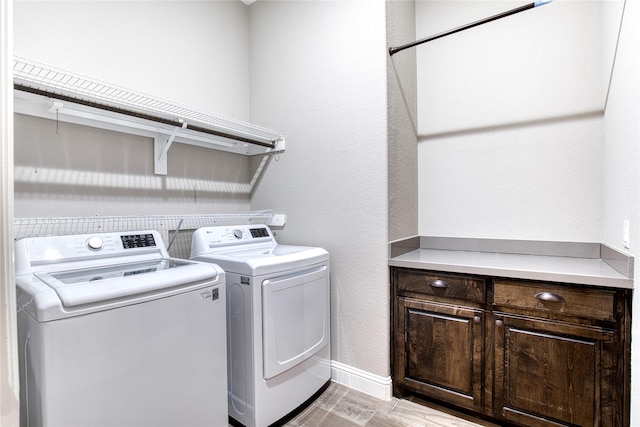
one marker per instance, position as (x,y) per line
(437,283)
(476,319)
(499,322)
(549,296)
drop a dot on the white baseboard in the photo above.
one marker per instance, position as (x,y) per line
(360,380)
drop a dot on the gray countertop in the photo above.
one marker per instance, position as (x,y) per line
(567,262)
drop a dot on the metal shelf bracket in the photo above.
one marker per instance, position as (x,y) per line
(161,148)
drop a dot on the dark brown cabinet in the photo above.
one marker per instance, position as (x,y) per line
(439,336)
(442,351)
(550,374)
(531,353)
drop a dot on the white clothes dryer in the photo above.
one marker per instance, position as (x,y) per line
(113,332)
(277,320)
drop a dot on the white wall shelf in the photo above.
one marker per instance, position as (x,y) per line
(47,92)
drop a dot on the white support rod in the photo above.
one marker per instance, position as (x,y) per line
(172,137)
(537,3)
(258,173)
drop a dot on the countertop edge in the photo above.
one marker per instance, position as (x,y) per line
(620,262)
(519,274)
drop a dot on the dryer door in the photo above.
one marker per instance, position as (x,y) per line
(295,318)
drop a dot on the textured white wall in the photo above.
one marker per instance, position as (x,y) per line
(622,167)
(538,64)
(402,113)
(82,171)
(540,182)
(506,157)
(190,52)
(320,73)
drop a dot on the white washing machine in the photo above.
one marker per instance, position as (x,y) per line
(277,323)
(113,332)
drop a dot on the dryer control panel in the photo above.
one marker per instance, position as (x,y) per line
(223,236)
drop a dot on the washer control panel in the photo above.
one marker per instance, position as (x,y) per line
(50,249)
(130,241)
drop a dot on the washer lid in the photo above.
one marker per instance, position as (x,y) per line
(92,285)
(266,260)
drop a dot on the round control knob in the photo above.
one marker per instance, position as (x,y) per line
(237,233)
(95,243)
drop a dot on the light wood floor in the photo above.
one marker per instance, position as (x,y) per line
(342,406)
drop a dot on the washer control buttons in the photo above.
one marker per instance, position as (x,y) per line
(95,243)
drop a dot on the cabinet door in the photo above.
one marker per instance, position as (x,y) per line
(439,351)
(550,373)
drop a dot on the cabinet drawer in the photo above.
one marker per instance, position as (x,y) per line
(468,288)
(561,299)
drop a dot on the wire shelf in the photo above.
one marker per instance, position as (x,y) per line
(176,230)
(30,75)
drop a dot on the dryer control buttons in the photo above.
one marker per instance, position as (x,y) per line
(95,243)
(237,233)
